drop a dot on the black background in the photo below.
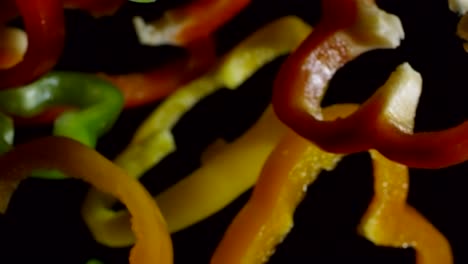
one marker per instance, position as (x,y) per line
(43,223)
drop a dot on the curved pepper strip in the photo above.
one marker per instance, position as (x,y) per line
(390,221)
(147,87)
(183,25)
(99,101)
(153,141)
(230,172)
(267,217)
(343,34)
(153,243)
(44,23)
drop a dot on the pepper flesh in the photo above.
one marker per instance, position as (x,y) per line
(100,104)
(153,243)
(183,25)
(44,23)
(267,217)
(390,221)
(301,83)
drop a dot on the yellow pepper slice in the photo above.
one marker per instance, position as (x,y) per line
(390,221)
(268,216)
(153,243)
(223,176)
(153,140)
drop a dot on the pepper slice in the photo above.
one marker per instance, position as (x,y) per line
(153,139)
(153,243)
(268,215)
(301,83)
(183,25)
(143,88)
(232,170)
(44,23)
(100,104)
(390,221)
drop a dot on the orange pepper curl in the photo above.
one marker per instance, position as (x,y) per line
(153,243)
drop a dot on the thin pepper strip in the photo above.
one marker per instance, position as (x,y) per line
(267,217)
(147,87)
(223,176)
(153,243)
(183,25)
(342,35)
(390,221)
(99,103)
(153,141)
(44,23)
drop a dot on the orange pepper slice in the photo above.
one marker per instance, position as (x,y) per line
(153,243)
(268,216)
(390,221)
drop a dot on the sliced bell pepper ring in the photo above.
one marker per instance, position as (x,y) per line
(232,170)
(301,83)
(153,141)
(100,104)
(268,215)
(153,243)
(195,20)
(390,221)
(44,23)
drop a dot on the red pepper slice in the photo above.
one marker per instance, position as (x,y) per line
(44,22)
(342,35)
(96,8)
(143,88)
(195,20)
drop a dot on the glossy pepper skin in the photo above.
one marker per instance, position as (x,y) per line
(195,20)
(44,23)
(343,34)
(98,102)
(153,243)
